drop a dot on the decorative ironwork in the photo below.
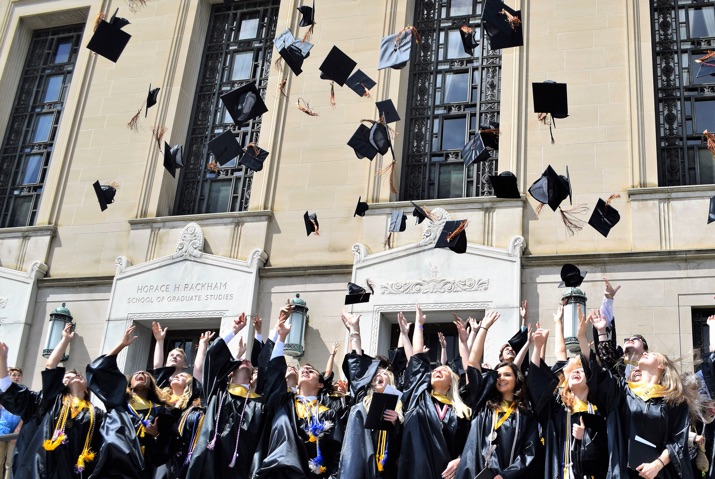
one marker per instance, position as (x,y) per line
(30,135)
(238,50)
(683,30)
(450,95)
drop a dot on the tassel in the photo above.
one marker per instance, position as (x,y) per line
(332,94)
(511,19)
(308,34)
(278,64)
(98,19)
(158,134)
(367,92)
(571,219)
(389,169)
(305,107)
(539,207)
(710,137)
(708,56)
(315,226)
(388,241)
(466,29)
(282,88)
(57,440)
(462,226)
(134,122)
(612,197)
(86,456)
(546,120)
(210,446)
(410,28)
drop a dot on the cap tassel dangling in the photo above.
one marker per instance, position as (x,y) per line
(367,92)
(571,219)
(614,196)
(304,106)
(512,20)
(710,138)
(308,34)
(389,170)
(278,64)
(462,226)
(134,122)
(332,94)
(547,119)
(158,132)
(282,88)
(388,241)
(98,19)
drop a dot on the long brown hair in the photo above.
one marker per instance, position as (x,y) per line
(495,398)
(154,394)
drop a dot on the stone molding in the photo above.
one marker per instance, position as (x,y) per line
(191,242)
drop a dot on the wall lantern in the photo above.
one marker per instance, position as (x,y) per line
(59,317)
(573,297)
(294,345)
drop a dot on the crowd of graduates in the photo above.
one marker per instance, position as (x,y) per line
(612,411)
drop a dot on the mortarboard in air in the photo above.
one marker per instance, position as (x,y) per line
(503,25)
(360,143)
(707,65)
(361,207)
(470,38)
(380,137)
(151,98)
(395,49)
(311,223)
(490,135)
(388,110)
(225,147)
(105,194)
(109,40)
(571,276)
(360,83)
(398,222)
(420,213)
(173,158)
(551,188)
(504,185)
(292,51)
(337,66)
(604,216)
(711,213)
(453,236)
(307,15)
(356,294)
(253,157)
(474,150)
(550,97)
(244,103)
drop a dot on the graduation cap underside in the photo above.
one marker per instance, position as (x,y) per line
(571,276)
(173,158)
(453,236)
(244,103)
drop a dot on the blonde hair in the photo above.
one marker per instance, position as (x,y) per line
(180,350)
(183,401)
(367,400)
(462,410)
(674,393)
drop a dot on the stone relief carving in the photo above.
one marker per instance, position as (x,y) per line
(432,229)
(516,246)
(176,315)
(359,252)
(191,242)
(37,269)
(257,256)
(3,302)
(434,284)
(121,264)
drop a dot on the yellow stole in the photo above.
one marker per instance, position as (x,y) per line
(647,391)
(581,406)
(241,391)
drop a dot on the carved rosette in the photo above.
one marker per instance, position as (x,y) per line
(435,285)
(359,252)
(432,229)
(191,242)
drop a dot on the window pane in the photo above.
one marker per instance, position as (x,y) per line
(460,7)
(219,196)
(454,45)
(456,87)
(20,212)
(242,63)
(704,115)
(43,127)
(706,164)
(53,88)
(453,133)
(31,174)
(249,28)
(64,49)
(702,22)
(450,181)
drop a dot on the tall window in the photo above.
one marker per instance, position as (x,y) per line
(32,127)
(684,30)
(238,50)
(450,95)
(701,330)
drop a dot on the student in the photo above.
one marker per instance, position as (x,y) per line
(9,424)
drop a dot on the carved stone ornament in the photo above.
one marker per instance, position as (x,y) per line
(432,229)
(3,302)
(191,242)
(434,284)
(121,264)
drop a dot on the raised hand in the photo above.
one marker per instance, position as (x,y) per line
(610,291)
(420,318)
(159,334)
(473,323)
(490,318)
(577,430)
(128,337)
(522,312)
(239,323)
(335,349)
(68,332)
(583,323)
(540,337)
(285,311)
(242,347)
(461,331)
(206,337)
(257,324)
(559,314)
(351,321)
(3,352)
(599,322)
(442,340)
(282,328)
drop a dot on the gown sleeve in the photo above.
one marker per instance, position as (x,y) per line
(218,364)
(606,390)
(541,384)
(417,380)
(107,382)
(359,369)
(677,445)
(526,453)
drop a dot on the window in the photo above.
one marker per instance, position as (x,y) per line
(187,339)
(431,337)
(450,95)
(701,333)
(238,50)
(683,30)
(32,127)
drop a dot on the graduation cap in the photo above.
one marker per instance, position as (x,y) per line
(379,137)
(421,213)
(361,207)
(253,157)
(388,110)
(173,158)
(307,15)
(604,216)
(151,98)
(109,40)
(337,66)
(470,38)
(398,222)
(550,97)
(292,51)
(357,294)
(360,143)
(311,223)
(504,185)
(474,150)
(571,276)
(244,103)
(105,194)
(225,147)
(503,25)
(711,213)
(453,236)
(395,49)
(551,188)
(707,65)
(490,135)
(360,83)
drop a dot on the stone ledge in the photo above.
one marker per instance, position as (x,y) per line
(75,282)
(476,203)
(202,219)
(25,231)
(658,256)
(671,192)
(288,271)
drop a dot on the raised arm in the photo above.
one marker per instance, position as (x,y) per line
(559,341)
(59,351)
(127,339)
(473,329)
(540,336)
(477,353)
(3,361)
(159,336)
(523,352)
(418,339)
(607,304)
(352,322)
(443,348)
(204,341)
(711,332)
(584,323)
(405,335)
(331,360)
(463,338)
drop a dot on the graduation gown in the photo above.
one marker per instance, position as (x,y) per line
(428,442)
(39,412)
(707,371)
(589,456)
(627,415)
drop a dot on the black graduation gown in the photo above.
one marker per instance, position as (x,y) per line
(428,444)
(628,415)
(39,412)
(707,370)
(227,409)
(589,456)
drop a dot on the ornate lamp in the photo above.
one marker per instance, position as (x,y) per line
(294,345)
(573,298)
(59,317)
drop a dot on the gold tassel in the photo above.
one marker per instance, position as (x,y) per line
(134,122)
(86,456)
(332,94)
(571,219)
(367,92)
(462,226)
(309,33)
(410,28)
(388,241)
(158,133)
(98,19)
(278,64)
(54,443)
(282,88)
(612,197)
(466,29)
(213,167)
(389,170)
(710,137)
(707,56)
(511,19)
(305,107)
(256,150)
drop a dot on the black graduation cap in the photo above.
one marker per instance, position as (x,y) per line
(550,97)
(151,98)
(173,158)
(474,150)
(387,108)
(711,213)
(490,135)
(311,223)
(380,137)
(453,236)
(360,143)
(504,185)
(604,217)
(361,207)
(244,103)
(109,40)
(398,222)
(571,276)
(420,212)
(395,49)
(470,38)
(105,194)
(707,65)
(307,15)
(360,83)
(551,188)
(503,25)
(293,51)
(337,66)
(225,147)
(253,157)
(356,294)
